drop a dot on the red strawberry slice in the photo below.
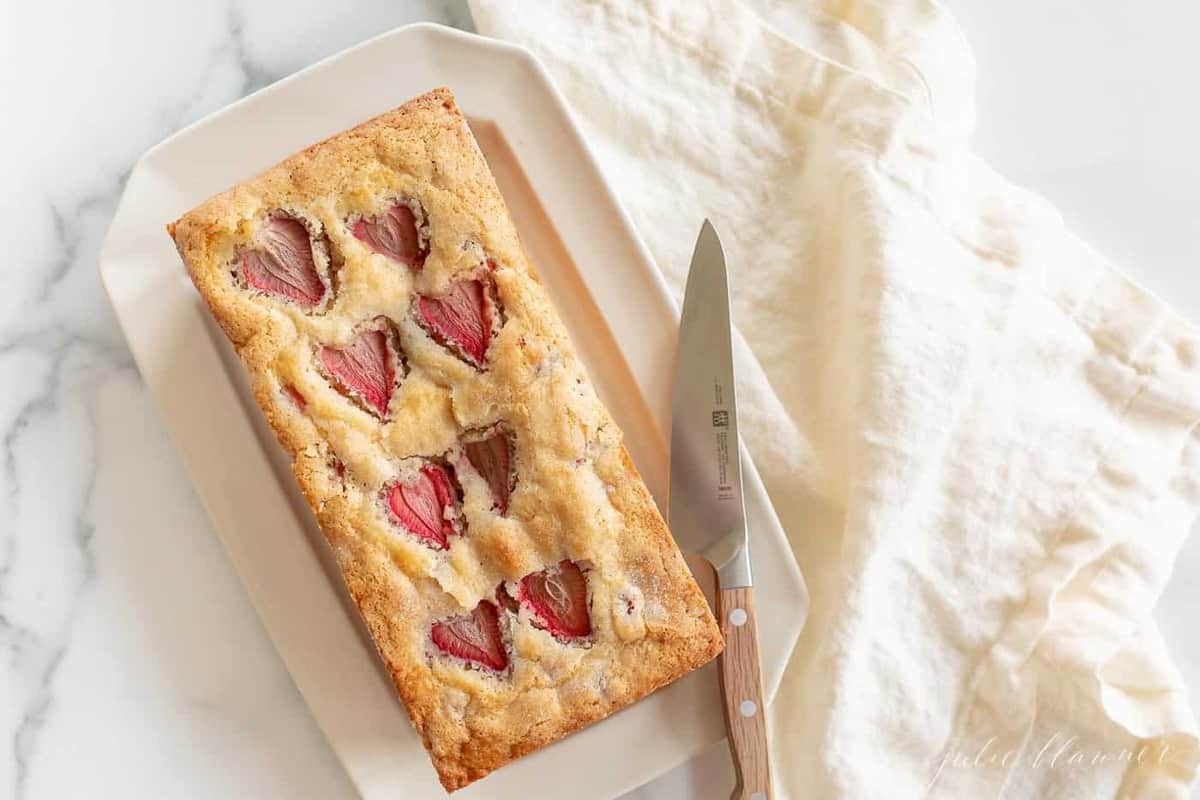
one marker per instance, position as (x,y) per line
(365,369)
(473,637)
(492,459)
(460,320)
(506,600)
(295,396)
(557,597)
(394,233)
(426,507)
(282,263)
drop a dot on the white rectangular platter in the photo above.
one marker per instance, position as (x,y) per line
(619,314)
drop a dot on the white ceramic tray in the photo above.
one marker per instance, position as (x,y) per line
(620,316)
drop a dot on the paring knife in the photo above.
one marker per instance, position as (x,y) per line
(706,510)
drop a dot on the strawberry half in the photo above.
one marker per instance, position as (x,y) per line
(395,234)
(557,598)
(365,369)
(492,459)
(473,637)
(461,320)
(282,263)
(427,507)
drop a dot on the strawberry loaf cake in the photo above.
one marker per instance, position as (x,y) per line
(513,570)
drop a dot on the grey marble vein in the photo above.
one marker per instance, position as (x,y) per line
(37,645)
(254,76)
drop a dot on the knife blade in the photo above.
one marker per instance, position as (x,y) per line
(707,513)
(706,510)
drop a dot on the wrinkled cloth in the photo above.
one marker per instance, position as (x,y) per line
(979,435)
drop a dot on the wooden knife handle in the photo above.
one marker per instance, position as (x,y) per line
(742,693)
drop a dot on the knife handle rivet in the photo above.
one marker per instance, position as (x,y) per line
(748,708)
(738,617)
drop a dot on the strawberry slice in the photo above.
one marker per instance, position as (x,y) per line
(492,459)
(506,600)
(557,597)
(295,396)
(395,234)
(282,262)
(365,369)
(460,320)
(473,637)
(427,507)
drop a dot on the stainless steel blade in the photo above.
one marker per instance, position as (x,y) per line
(707,515)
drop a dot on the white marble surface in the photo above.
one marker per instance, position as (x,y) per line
(133,665)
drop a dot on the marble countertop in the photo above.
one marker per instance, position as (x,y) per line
(133,664)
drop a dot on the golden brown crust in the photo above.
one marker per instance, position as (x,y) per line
(577,495)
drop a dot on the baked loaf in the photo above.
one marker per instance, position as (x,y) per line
(509,562)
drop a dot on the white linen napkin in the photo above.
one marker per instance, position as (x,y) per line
(979,435)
